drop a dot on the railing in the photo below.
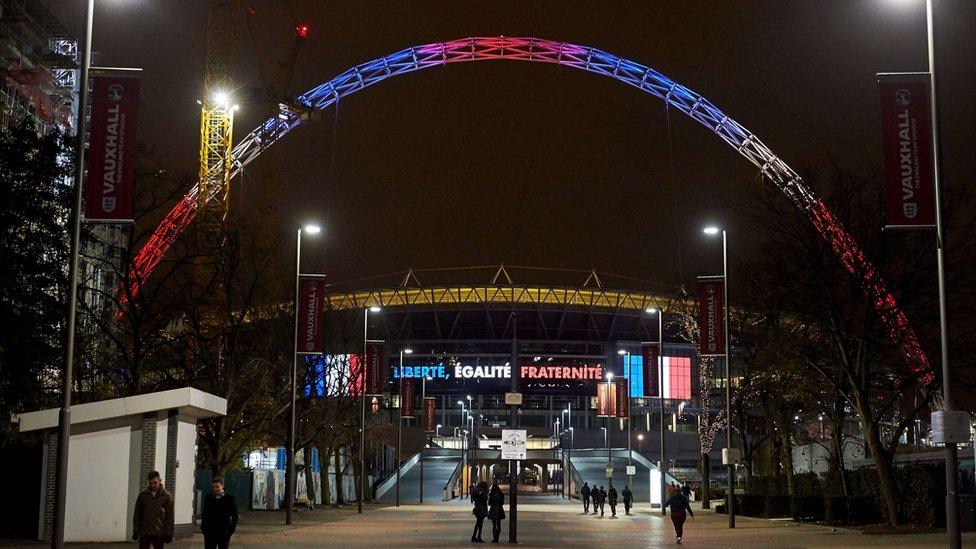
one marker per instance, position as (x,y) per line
(452,481)
(384,487)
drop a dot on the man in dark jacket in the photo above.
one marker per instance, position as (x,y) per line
(152,520)
(628,498)
(612,496)
(585,496)
(219,517)
(602,499)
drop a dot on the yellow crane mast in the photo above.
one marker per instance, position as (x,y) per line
(217,114)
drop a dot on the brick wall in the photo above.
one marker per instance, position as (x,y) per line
(172,432)
(49,482)
(147,455)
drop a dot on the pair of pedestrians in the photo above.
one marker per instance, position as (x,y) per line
(153,518)
(488,504)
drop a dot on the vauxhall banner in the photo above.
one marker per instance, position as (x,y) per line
(430,411)
(907,134)
(407,396)
(711,316)
(311,310)
(112,149)
(603,399)
(622,398)
(650,357)
(375,368)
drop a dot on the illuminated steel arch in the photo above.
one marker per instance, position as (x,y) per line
(586,59)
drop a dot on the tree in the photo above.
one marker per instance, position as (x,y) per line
(835,333)
(35,190)
(710,423)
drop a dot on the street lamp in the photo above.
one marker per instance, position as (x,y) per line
(630,451)
(951,456)
(660,373)
(290,472)
(640,443)
(730,467)
(464,447)
(423,427)
(362,410)
(400,429)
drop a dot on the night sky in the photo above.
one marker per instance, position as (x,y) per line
(539,165)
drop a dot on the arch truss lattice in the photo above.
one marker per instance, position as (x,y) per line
(583,58)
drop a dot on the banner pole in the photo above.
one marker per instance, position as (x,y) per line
(64,416)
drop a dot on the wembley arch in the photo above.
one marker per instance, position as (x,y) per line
(587,59)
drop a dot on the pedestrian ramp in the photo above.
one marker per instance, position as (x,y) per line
(437,471)
(591,465)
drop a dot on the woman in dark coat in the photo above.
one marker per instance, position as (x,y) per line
(496,511)
(480,500)
(680,509)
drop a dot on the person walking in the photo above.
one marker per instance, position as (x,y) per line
(680,509)
(603,499)
(585,496)
(496,511)
(479,497)
(612,496)
(628,499)
(152,519)
(219,516)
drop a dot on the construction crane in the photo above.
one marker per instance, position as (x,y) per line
(217,113)
(210,204)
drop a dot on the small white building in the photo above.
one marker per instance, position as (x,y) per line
(114,445)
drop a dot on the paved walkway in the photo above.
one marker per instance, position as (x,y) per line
(544,521)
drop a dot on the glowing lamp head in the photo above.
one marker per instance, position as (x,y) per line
(609,376)
(375,309)
(460,403)
(408,351)
(640,437)
(650,310)
(312,229)
(621,352)
(221,98)
(711,230)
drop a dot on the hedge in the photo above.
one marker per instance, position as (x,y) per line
(918,488)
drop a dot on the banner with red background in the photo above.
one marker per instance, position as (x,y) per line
(650,356)
(711,316)
(407,397)
(311,310)
(430,414)
(112,149)
(621,398)
(375,367)
(906,128)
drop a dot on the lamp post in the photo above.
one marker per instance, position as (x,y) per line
(423,446)
(660,372)
(64,416)
(951,456)
(290,471)
(464,448)
(362,410)
(630,451)
(730,467)
(400,432)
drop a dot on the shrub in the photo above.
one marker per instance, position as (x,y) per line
(777,507)
(808,508)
